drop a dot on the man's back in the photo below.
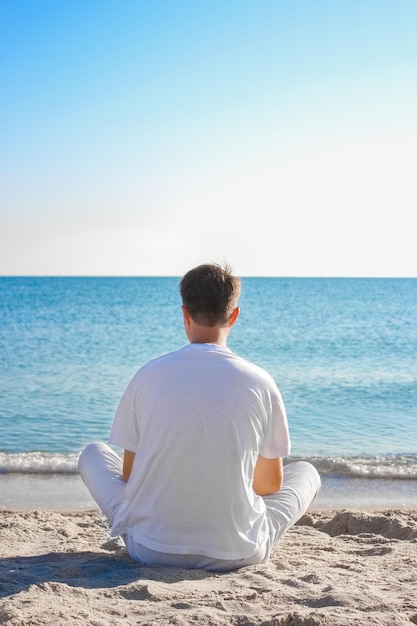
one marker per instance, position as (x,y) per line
(197,420)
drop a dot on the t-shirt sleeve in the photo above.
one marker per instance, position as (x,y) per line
(276,442)
(125,429)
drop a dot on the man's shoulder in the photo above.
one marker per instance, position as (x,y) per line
(254,370)
(161,359)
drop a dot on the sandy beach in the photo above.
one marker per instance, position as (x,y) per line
(335,568)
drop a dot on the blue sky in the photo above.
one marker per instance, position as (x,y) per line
(142,138)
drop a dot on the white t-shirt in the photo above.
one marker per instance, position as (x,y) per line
(197,419)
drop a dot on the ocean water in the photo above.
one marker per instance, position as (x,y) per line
(342,351)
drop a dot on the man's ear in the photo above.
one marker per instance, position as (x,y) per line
(186,314)
(234,316)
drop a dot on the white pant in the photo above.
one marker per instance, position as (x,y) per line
(101,471)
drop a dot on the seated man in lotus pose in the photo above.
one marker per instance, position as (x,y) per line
(202,482)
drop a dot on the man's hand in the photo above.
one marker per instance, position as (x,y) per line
(267,478)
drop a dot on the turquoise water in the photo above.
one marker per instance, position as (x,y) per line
(342,351)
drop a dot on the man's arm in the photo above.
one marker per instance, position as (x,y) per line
(267,478)
(128,459)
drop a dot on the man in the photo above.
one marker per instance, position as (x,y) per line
(202,483)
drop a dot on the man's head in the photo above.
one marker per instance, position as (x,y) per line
(210,294)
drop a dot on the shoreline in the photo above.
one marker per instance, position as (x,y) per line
(57,491)
(333,568)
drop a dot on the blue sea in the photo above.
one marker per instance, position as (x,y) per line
(343,352)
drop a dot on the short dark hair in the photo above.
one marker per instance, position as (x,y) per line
(210,293)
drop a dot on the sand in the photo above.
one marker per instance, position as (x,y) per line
(333,568)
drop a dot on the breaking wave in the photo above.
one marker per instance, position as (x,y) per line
(401,467)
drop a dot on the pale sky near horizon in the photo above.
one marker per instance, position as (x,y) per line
(143,138)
